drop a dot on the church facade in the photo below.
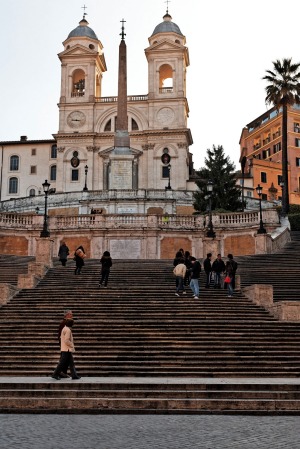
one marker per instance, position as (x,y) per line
(86,156)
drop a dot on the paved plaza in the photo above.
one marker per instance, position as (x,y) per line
(148,431)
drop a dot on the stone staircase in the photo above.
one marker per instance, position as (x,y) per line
(281,270)
(140,348)
(12,266)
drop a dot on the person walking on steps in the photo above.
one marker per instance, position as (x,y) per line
(63,253)
(234,267)
(67,349)
(218,267)
(188,264)
(106,263)
(179,271)
(195,274)
(207,269)
(68,315)
(228,278)
(79,257)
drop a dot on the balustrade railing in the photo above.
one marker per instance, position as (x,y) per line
(137,221)
(115,99)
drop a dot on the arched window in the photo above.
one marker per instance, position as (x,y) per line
(54,152)
(108,126)
(32,192)
(53,173)
(13,185)
(14,163)
(134,125)
(78,88)
(165,79)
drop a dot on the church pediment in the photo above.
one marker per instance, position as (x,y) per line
(77,50)
(164,45)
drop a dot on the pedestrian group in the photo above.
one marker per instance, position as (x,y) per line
(217,273)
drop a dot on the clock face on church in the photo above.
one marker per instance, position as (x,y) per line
(76,119)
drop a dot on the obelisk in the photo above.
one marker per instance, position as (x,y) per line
(121,138)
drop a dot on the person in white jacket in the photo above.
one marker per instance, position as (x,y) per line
(179,272)
(67,349)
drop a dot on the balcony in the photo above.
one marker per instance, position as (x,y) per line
(166,90)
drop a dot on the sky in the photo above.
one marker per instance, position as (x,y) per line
(231,44)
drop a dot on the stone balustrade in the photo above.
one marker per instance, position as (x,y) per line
(108,221)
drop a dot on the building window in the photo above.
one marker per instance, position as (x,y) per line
(75,175)
(14,163)
(263,177)
(264,197)
(297,161)
(249,194)
(266,153)
(32,192)
(297,143)
(134,125)
(33,170)
(279,179)
(296,128)
(54,152)
(33,151)
(107,126)
(13,185)
(53,173)
(277,147)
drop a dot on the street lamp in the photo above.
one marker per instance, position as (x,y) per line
(243,164)
(86,168)
(168,187)
(210,232)
(261,224)
(45,232)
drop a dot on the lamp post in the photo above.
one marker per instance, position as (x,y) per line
(86,168)
(282,187)
(45,232)
(168,187)
(210,232)
(243,164)
(261,229)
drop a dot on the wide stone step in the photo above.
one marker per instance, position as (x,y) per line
(161,396)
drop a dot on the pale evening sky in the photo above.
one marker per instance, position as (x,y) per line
(231,44)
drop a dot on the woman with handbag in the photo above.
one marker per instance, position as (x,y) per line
(79,257)
(228,278)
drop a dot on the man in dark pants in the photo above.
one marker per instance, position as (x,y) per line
(207,269)
(67,350)
(218,267)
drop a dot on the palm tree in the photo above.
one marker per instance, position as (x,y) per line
(283,91)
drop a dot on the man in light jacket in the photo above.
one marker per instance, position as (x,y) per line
(179,272)
(67,349)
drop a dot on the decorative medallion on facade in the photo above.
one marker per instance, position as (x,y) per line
(165,116)
(75,161)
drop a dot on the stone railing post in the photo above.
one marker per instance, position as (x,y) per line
(210,246)
(7,292)
(44,251)
(260,294)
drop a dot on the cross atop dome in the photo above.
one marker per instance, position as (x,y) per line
(84,13)
(123,34)
(167,2)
